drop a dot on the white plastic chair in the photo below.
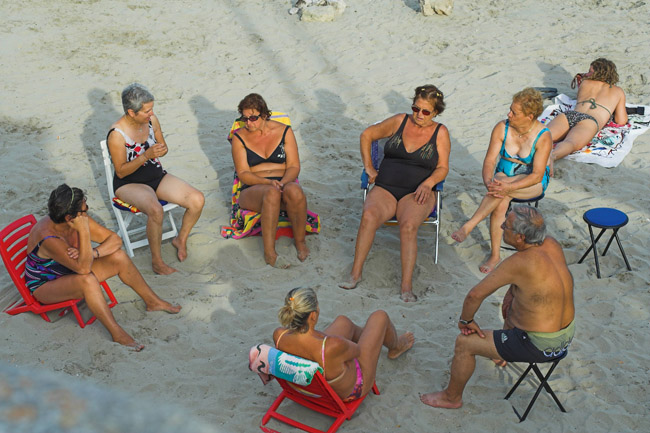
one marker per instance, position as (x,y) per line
(124,216)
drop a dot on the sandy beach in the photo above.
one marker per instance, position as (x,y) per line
(65,63)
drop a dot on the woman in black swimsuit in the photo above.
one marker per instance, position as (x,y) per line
(266,159)
(416,158)
(136,143)
(599,102)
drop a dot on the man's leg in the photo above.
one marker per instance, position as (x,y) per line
(462,368)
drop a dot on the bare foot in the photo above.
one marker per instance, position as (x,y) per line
(350,284)
(408,297)
(437,399)
(135,346)
(459,235)
(163,269)
(489,265)
(129,342)
(500,362)
(404,343)
(277,261)
(181,248)
(164,306)
(303,251)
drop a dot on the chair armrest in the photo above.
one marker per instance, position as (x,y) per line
(364,179)
(439,186)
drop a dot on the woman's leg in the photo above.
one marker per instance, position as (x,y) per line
(578,137)
(379,207)
(487,206)
(144,198)
(265,199)
(119,263)
(497,217)
(379,331)
(410,216)
(85,286)
(295,202)
(175,190)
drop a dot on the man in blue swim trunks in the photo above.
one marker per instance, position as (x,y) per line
(538,307)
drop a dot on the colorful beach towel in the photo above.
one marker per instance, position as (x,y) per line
(612,143)
(245,222)
(269,362)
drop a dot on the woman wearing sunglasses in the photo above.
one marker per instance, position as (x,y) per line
(515,166)
(416,158)
(62,263)
(266,159)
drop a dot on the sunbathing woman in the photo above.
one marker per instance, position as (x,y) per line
(63,265)
(599,101)
(347,353)
(507,174)
(416,158)
(266,159)
(136,143)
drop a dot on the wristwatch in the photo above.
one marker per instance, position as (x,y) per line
(465,322)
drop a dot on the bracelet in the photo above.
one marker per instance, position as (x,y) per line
(465,322)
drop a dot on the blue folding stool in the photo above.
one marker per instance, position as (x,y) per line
(605,218)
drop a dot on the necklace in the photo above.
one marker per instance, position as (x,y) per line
(529,129)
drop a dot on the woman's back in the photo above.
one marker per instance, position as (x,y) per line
(598,99)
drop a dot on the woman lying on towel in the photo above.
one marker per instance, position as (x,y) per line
(515,166)
(265,155)
(63,265)
(347,353)
(599,102)
(416,158)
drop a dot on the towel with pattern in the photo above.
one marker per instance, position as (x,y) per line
(245,222)
(612,143)
(269,362)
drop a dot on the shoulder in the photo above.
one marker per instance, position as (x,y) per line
(277,333)
(155,122)
(336,345)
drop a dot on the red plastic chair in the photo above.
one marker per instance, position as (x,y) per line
(13,249)
(318,396)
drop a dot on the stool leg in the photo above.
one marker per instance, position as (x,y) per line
(618,241)
(593,246)
(610,242)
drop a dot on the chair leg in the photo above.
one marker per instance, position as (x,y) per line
(618,241)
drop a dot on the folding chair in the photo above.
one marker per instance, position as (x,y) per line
(13,249)
(543,383)
(318,396)
(125,213)
(245,222)
(377,154)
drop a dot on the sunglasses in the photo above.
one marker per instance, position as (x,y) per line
(417,109)
(251,118)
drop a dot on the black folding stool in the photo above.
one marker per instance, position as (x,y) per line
(543,379)
(605,218)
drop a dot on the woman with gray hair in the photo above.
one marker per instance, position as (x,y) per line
(347,353)
(136,144)
(515,166)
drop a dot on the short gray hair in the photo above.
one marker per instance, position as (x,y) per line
(134,96)
(530,223)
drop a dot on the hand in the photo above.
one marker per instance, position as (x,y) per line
(80,223)
(470,329)
(372,174)
(277,184)
(157,150)
(422,194)
(498,189)
(73,253)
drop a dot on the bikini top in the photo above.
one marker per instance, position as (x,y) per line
(278,156)
(322,354)
(527,160)
(595,104)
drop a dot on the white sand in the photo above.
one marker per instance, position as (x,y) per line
(64,64)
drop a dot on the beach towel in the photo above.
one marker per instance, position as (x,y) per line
(612,143)
(245,222)
(269,362)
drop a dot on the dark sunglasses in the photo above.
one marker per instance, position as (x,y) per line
(251,118)
(417,109)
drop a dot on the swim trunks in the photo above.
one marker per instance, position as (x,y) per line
(516,345)
(39,271)
(401,172)
(151,173)
(510,168)
(575,117)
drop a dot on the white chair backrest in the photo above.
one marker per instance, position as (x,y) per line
(108,165)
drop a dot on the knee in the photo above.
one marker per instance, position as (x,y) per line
(272,197)
(293,193)
(461,347)
(196,201)
(408,228)
(380,315)
(156,213)
(370,216)
(88,283)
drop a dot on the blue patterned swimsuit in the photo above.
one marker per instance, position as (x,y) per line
(39,271)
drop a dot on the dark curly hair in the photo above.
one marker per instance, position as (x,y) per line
(254,101)
(65,200)
(431,93)
(605,71)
